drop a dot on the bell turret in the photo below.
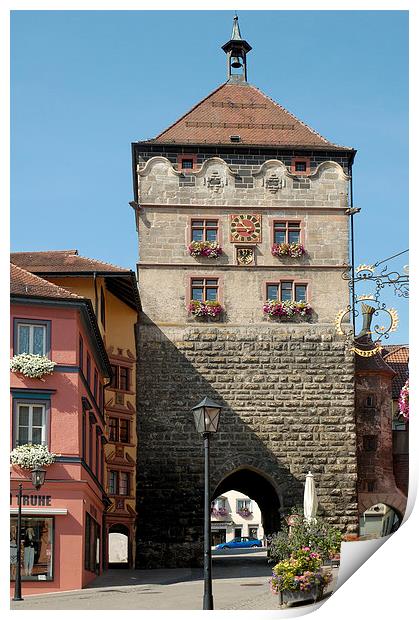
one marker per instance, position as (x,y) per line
(236,50)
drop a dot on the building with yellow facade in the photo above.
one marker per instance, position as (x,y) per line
(114,295)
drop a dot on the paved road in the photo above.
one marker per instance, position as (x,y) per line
(240,581)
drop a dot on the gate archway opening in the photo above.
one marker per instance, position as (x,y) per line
(256,487)
(119,546)
(379,520)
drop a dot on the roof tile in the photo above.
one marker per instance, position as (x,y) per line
(27,284)
(242,109)
(61,261)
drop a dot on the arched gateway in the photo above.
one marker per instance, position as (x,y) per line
(263,491)
(240,212)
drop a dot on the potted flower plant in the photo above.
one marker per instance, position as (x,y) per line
(202,309)
(244,512)
(299,578)
(287,309)
(404,401)
(30,365)
(207,249)
(294,250)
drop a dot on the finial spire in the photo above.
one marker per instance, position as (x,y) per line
(236,50)
(236,35)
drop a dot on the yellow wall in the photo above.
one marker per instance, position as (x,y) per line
(119,339)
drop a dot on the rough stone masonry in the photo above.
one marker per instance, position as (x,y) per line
(287,386)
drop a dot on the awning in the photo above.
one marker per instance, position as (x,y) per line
(40,511)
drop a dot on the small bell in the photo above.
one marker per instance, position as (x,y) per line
(236,62)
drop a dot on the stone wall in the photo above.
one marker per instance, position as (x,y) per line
(289,397)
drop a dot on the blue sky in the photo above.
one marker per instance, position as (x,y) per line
(85,84)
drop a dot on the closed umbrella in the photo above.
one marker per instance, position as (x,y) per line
(310,498)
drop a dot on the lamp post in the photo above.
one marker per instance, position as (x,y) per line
(207,417)
(38,479)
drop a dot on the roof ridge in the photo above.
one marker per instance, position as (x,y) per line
(73,252)
(104,263)
(191,110)
(392,351)
(46,283)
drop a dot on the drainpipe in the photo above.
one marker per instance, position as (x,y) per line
(96,297)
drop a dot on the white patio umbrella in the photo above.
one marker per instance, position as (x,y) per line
(310,498)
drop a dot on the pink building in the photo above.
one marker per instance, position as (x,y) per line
(62,523)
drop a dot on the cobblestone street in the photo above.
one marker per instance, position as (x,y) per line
(240,581)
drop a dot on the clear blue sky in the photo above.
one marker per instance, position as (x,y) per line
(85,84)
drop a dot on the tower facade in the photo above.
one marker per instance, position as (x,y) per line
(240,211)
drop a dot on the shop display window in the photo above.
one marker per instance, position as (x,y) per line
(36,548)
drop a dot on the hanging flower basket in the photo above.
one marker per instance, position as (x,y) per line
(208,249)
(404,401)
(205,308)
(29,456)
(33,366)
(294,250)
(287,309)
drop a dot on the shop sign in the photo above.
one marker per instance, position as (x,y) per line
(33,500)
(217,524)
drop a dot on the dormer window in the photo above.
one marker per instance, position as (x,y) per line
(235,139)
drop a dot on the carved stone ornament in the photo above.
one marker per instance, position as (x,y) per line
(215,182)
(274,183)
(245,256)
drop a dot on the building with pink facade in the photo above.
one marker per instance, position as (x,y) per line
(61,537)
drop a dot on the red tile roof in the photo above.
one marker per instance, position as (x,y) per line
(28,285)
(242,109)
(397,357)
(61,261)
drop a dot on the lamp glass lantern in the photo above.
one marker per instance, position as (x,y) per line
(38,477)
(207,416)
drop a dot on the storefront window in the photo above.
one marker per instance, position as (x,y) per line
(92,545)
(37,548)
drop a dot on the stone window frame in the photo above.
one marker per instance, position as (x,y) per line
(204,218)
(118,471)
(118,420)
(200,276)
(188,156)
(116,386)
(287,221)
(296,160)
(294,281)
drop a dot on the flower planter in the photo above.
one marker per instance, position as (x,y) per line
(205,249)
(287,310)
(292,597)
(205,309)
(293,250)
(32,366)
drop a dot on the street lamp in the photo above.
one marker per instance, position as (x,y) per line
(38,479)
(207,417)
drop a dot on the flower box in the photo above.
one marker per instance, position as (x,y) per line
(202,309)
(245,512)
(29,456)
(294,250)
(290,597)
(33,366)
(284,310)
(219,512)
(207,249)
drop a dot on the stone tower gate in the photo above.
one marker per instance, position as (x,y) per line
(240,171)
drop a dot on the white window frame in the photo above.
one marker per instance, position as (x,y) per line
(244,503)
(31,405)
(31,326)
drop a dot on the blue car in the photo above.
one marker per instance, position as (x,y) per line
(240,542)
